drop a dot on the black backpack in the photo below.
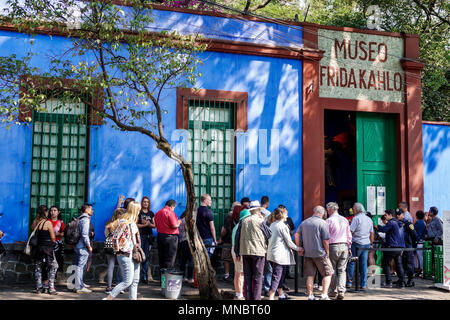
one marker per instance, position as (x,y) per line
(72,232)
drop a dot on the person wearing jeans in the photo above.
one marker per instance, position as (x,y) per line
(421,229)
(205,224)
(362,237)
(125,237)
(267,277)
(362,260)
(83,248)
(130,272)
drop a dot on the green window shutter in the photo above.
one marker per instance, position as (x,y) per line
(59,155)
(211,123)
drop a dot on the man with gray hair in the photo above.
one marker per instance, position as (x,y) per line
(312,237)
(340,246)
(363,236)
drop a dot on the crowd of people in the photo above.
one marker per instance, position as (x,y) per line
(259,244)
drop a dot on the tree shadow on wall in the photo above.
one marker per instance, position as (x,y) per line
(436,140)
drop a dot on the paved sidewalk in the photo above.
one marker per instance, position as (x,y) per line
(422,291)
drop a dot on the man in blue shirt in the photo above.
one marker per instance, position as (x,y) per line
(421,229)
(205,223)
(83,248)
(363,236)
(410,237)
(394,239)
(404,207)
(435,228)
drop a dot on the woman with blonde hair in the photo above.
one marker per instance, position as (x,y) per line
(110,256)
(125,237)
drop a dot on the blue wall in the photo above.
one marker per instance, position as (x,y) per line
(436,166)
(129,164)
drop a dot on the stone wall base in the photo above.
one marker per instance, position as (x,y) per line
(17,267)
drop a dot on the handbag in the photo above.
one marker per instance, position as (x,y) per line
(138,253)
(108,246)
(32,240)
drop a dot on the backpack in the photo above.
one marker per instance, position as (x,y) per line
(72,232)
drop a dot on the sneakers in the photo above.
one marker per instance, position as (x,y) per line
(410,284)
(286,288)
(38,290)
(386,285)
(340,296)
(316,286)
(312,297)
(108,290)
(332,294)
(226,279)
(400,285)
(324,297)
(239,298)
(349,284)
(284,296)
(84,290)
(52,291)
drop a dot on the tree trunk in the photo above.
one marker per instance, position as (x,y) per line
(206,275)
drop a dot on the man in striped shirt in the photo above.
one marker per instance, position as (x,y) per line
(340,244)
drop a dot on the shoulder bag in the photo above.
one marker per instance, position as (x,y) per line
(138,253)
(32,240)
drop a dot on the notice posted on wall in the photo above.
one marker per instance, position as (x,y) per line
(371,199)
(381,200)
(446,248)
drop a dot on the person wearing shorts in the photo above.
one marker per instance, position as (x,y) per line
(312,237)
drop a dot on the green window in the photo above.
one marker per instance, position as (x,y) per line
(59,158)
(212,123)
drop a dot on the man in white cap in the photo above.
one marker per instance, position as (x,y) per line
(251,247)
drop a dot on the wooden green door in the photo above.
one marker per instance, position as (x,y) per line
(376,148)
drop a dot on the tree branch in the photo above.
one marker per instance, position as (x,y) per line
(260,6)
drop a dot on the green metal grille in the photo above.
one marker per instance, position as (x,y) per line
(59,153)
(212,124)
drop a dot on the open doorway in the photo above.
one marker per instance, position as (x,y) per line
(340,158)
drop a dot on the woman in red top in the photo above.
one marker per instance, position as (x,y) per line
(58,228)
